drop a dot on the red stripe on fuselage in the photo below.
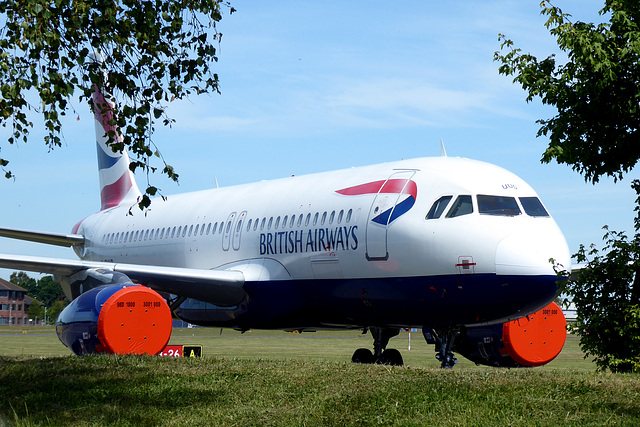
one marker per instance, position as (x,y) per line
(393,186)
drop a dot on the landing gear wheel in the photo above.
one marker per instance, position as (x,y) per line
(392,357)
(362,355)
(444,345)
(381,337)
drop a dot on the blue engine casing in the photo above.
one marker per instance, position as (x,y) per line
(77,324)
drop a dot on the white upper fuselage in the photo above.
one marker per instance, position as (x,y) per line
(305,228)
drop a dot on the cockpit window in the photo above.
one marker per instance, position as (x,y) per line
(462,206)
(438,207)
(533,207)
(498,205)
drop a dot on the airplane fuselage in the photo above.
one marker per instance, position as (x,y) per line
(352,248)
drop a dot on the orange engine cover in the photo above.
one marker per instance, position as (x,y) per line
(134,320)
(536,339)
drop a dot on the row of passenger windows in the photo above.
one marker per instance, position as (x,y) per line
(218,228)
(487,205)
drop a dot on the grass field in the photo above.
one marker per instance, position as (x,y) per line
(335,346)
(276,378)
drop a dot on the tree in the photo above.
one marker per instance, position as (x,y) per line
(49,291)
(155,51)
(607,298)
(55,310)
(36,311)
(46,290)
(596,92)
(23,280)
(597,132)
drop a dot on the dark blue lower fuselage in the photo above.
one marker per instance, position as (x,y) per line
(436,301)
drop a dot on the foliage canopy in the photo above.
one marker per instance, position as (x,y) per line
(597,132)
(155,51)
(607,298)
(596,92)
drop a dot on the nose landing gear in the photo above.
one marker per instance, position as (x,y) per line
(381,355)
(443,339)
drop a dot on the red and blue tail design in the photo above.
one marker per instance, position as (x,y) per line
(406,189)
(117,183)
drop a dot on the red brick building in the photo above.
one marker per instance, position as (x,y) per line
(14,304)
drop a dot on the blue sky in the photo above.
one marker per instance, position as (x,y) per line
(313,86)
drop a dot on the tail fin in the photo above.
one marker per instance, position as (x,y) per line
(117,183)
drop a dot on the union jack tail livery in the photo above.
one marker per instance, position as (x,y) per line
(117,183)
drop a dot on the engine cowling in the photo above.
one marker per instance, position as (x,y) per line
(533,340)
(119,318)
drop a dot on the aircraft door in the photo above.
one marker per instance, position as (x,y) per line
(228,231)
(393,191)
(238,230)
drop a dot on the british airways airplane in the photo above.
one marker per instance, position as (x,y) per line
(457,247)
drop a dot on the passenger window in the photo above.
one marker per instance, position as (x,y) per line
(190,230)
(315,218)
(462,206)
(497,205)
(438,207)
(324,218)
(249,224)
(533,207)
(332,217)
(300,221)
(270,223)
(255,225)
(284,221)
(306,221)
(208,228)
(277,223)
(340,216)
(228,227)
(349,215)
(262,223)
(293,220)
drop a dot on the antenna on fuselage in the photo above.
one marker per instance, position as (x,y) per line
(442,149)
(215,178)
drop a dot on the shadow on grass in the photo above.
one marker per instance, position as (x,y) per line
(105,390)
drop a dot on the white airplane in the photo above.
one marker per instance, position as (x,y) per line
(457,247)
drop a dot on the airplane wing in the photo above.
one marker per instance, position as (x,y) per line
(219,287)
(57,239)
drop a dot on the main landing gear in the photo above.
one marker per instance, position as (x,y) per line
(381,355)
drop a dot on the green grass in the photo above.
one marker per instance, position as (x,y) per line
(322,345)
(105,390)
(275,378)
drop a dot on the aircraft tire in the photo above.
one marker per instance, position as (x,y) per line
(362,355)
(392,357)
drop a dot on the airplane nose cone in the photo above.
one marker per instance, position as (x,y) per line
(528,253)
